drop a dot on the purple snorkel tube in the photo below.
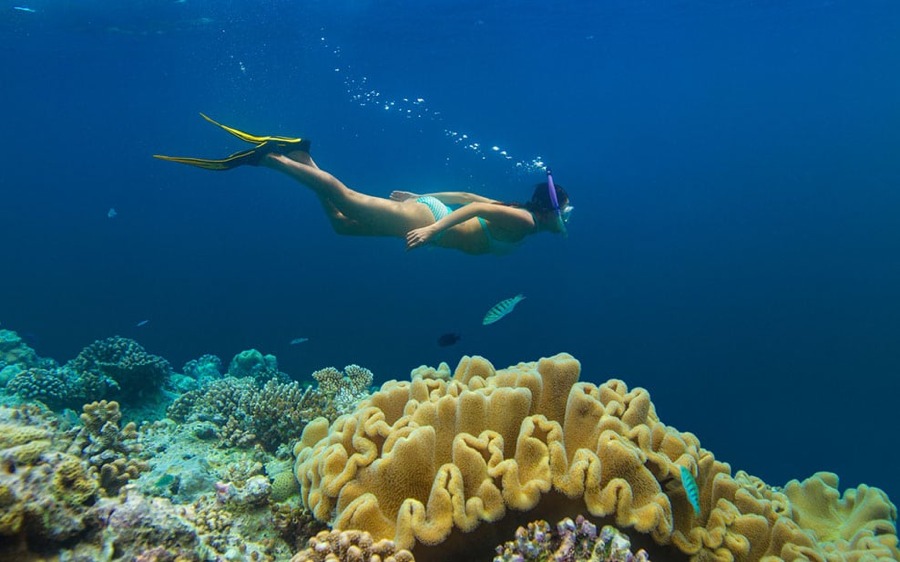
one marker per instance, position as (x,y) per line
(555,202)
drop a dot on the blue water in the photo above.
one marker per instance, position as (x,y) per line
(734,168)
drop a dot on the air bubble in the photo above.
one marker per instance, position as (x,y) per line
(360,92)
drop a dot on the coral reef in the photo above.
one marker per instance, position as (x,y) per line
(444,466)
(418,460)
(573,541)
(351,546)
(227,493)
(52,500)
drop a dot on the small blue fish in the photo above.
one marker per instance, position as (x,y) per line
(690,489)
(501,309)
(25,9)
(112,213)
(296,341)
(141,323)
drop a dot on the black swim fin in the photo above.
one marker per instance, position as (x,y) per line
(250,157)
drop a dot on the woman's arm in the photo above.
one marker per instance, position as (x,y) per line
(508,218)
(460,197)
(447,197)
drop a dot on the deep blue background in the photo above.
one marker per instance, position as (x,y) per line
(734,167)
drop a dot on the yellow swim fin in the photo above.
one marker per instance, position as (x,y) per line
(252,139)
(250,157)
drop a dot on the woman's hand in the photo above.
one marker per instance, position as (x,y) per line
(403,195)
(419,237)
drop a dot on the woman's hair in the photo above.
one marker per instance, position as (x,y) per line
(540,203)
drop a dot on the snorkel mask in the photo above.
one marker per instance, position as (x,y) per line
(562,215)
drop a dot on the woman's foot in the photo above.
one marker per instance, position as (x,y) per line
(299,152)
(301,155)
(275,159)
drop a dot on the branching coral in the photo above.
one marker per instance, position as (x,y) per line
(276,411)
(341,391)
(247,414)
(244,413)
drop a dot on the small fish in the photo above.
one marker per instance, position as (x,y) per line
(112,213)
(25,9)
(448,339)
(690,488)
(141,323)
(501,309)
(296,341)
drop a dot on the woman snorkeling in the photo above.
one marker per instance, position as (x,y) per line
(478,225)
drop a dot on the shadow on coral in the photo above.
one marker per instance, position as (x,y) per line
(480,544)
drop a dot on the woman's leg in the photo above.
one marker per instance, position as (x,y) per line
(339,222)
(349,211)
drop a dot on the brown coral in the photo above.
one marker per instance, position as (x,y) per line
(110,451)
(421,459)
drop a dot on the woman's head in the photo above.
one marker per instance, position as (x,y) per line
(540,198)
(541,205)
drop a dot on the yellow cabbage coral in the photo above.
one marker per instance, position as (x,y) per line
(421,459)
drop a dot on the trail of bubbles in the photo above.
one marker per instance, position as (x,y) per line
(360,92)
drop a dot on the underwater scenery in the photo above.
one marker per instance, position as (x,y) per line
(360,280)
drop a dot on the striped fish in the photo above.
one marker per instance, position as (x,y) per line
(501,309)
(690,488)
